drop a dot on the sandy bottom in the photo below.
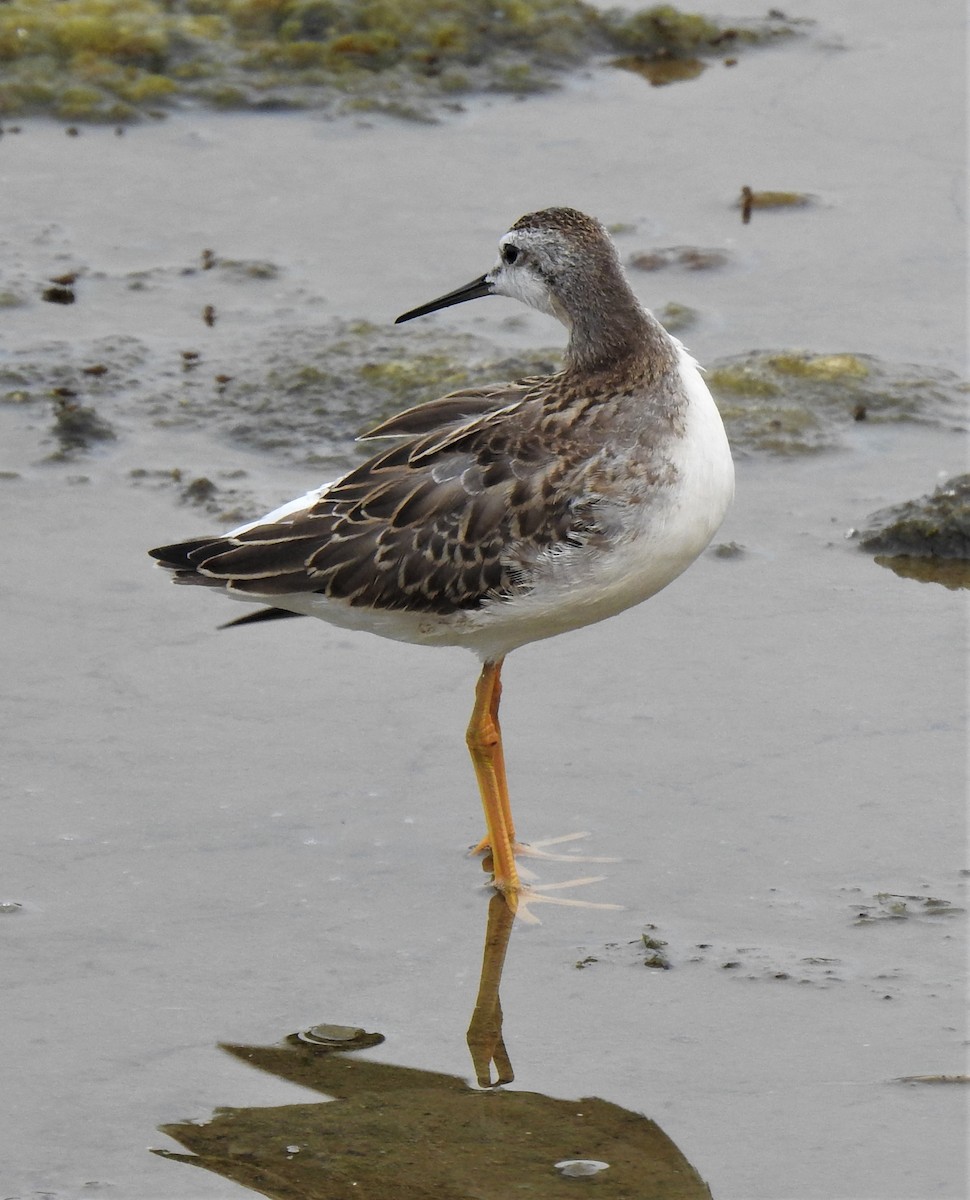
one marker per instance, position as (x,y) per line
(229,837)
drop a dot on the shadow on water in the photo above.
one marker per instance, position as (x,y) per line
(420,1134)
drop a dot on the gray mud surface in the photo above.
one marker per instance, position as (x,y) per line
(225,837)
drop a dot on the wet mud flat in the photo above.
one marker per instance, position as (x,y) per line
(233,837)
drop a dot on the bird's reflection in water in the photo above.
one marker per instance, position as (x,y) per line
(485,1040)
(419,1135)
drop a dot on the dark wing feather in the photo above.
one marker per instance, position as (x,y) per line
(176,556)
(438,522)
(457,408)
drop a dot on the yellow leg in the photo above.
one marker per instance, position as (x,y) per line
(498,757)
(484,739)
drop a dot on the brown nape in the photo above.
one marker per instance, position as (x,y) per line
(611,334)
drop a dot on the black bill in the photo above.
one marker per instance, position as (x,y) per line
(471,291)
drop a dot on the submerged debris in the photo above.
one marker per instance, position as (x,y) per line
(336,1037)
(655,948)
(227,502)
(76,426)
(890,906)
(932,1079)
(246,268)
(694,258)
(200,491)
(749,200)
(58,293)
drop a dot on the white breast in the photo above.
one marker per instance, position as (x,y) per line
(660,541)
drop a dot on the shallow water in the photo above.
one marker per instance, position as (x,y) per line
(227,837)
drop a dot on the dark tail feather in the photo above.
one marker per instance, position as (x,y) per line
(261,614)
(177,557)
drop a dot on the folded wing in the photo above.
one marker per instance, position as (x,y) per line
(456,512)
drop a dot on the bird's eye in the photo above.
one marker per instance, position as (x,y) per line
(510,254)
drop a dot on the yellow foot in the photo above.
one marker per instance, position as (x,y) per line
(537,850)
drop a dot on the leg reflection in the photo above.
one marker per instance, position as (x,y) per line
(484,1036)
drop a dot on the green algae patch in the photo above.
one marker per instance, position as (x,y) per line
(675,317)
(795,403)
(665,45)
(663,30)
(743,379)
(119,59)
(404,377)
(93,59)
(304,393)
(328,390)
(820,366)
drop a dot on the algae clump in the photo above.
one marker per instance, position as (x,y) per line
(794,402)
(113,59)
(936,526)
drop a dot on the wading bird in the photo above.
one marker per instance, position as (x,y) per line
(502,515)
